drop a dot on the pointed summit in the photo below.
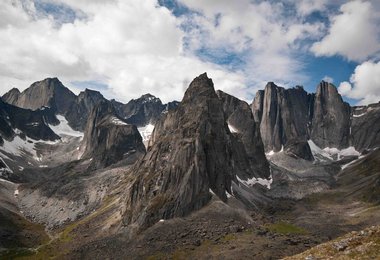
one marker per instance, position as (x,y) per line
(201,86)
(191,152)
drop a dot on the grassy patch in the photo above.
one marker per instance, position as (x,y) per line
(228,237)
(285,228)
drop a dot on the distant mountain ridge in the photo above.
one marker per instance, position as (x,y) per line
(52,93)
(292,115)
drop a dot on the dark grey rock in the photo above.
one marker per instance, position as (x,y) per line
(283,115)
(31,123)
(240,118)
(191,152)
(108,139)
(331,118)
(299,149)
(78,114)
(147,109)
(365,127)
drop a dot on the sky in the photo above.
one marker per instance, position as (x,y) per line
(128,48)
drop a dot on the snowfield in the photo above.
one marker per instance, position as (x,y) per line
(64,129)
(146,132)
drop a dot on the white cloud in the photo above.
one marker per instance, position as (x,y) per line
(328,79)
(307,7)
(134,47)
(364,84)
(354,33)
(264,32)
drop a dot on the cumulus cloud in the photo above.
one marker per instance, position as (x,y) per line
(264,32)
(133,47)
(354,33)
(328,79)
(364,84)
(307,7)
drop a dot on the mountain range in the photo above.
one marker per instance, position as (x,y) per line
(86,177)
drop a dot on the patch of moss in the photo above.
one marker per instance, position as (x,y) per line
(285,228)
(228,237)
(156,256)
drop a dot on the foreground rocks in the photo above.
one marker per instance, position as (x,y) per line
(362,244)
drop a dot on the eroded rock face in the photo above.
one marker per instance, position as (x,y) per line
(192,152)
(109,139)
(365,127)
(240,119)
(283,115)
(331,118)
(49,92)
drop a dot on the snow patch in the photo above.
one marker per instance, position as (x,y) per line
(63,128)
(232,129)
(19,146)
(360,115)
(317,152)
(146,131)
(349,151)
(117,121)
(250,182)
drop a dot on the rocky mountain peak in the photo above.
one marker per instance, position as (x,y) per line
(192,151)
(49,92)
(200,87)
(90,93)
(12,95)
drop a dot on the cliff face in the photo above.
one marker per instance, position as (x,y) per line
(109,139)
(331,118)
(289,117)
(365,127)
(192,152)
(283,115)
(243,126)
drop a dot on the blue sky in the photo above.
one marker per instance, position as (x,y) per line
(129,48)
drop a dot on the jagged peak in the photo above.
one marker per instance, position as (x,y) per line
(14,90)
(90,93)
(200,86)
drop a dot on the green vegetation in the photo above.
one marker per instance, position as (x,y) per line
(285,228)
